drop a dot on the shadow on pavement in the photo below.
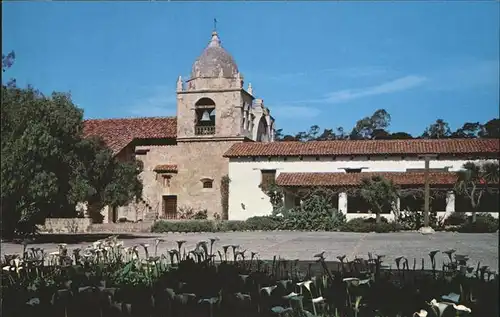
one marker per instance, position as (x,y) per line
(77,238)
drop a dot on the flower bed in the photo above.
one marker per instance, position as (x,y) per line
(107,279)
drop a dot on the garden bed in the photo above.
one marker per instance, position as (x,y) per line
(107,279)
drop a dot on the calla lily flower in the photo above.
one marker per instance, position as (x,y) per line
(421,313)
(318,300)
(289,296)
(462,308)
(268,289)
(440,306)
(351,281)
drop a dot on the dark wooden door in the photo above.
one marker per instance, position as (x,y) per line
(170,207)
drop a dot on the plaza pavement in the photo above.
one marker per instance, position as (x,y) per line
(304,245)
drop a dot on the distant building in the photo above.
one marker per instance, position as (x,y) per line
(221,130)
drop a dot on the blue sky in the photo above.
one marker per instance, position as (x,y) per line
(325,63)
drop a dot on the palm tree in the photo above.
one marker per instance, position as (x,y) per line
(474,180)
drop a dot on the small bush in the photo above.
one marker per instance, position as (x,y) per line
(485,223)
(414,220)
(367,225)
(262,223)
(456,219)
(188,213)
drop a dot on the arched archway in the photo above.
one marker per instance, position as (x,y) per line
(262,135)
(205,116)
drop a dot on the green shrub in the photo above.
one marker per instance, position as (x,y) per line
(262,223)
(367,225)
(184,226)
(315,213)
(414,220)
(485,223)
(456,219)
(233,225)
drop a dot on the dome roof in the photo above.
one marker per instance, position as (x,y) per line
(214,60)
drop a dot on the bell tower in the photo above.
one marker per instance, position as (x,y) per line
(211,103)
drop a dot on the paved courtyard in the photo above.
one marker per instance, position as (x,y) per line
(303,245)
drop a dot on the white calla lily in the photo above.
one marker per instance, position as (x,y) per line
(318,300)
(421,313)
(462,308)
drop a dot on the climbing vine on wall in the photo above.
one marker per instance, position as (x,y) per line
(275,194)
(224,190)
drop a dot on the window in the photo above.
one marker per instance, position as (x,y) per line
(267,178)
(207,182)
(166,180)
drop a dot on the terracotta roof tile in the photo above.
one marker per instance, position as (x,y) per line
(353,179)
(366,147)
(118,133)
(172,168)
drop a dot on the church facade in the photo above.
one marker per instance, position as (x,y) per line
(183,160)
(219,149)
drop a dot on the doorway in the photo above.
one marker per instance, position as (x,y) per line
(112,214)
(170,207)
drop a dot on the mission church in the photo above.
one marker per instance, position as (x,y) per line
(219,152)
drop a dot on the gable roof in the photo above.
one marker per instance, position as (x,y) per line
(366,147)
(118,133)
(354,179)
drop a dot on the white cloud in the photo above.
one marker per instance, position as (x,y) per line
(400,84)
(295,112)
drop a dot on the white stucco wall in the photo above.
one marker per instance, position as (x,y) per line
(246,199)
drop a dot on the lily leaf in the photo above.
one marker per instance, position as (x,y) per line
(280,310)
(451,297)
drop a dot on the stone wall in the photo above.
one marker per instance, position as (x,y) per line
(195,161)
(66,225)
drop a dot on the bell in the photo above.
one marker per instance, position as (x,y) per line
(205,116)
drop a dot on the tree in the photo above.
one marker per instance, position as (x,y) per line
(365,127)
(47,166)
(401,136)
(438,130)
(474,180)
(469,130)
(491,129)
(8,60)
(310,135)
(380,193)
(102,180)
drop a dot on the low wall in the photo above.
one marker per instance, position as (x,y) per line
(66,225)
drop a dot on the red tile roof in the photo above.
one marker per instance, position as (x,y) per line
(118,133)
(353,179)
(367,147)
(166,168)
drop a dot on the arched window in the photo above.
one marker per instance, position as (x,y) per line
(205,117)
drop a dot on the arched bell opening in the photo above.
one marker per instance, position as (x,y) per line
(205,117)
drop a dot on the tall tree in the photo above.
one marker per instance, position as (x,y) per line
(8,60)
(474,180)
(378,121)
(46,164)
(438,130)
(380,193)
(491,129)
(469,130)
